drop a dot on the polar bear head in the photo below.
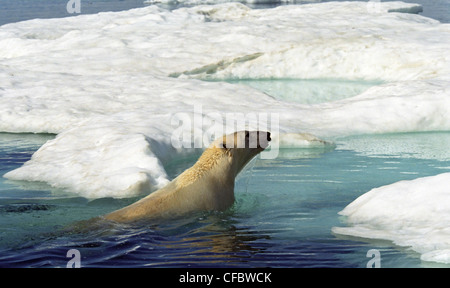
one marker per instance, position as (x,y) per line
(242,146)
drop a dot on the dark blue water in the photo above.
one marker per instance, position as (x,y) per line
(20,10)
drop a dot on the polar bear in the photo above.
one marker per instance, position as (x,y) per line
(208,185)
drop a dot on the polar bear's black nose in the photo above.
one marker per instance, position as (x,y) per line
(268,136)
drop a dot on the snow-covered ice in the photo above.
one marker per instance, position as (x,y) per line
(110,84)
(412,214)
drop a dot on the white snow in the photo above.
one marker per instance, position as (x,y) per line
(110,86)
(412,213)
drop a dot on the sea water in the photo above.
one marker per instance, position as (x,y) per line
(285,210)
(283,215)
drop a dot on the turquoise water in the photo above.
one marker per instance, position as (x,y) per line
(283,215)
(308,91)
